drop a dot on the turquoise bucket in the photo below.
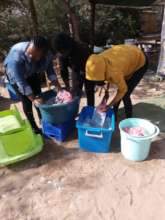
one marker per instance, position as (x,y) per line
(58,113)
(134,147)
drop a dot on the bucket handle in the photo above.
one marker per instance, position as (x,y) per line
(157,131)
(93,135)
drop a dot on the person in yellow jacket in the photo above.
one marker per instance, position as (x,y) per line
(122,65)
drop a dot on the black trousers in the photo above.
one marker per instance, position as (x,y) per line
(35,85)
(74,79)
(90,92)
(131,83)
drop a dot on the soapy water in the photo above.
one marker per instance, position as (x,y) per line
(98,120)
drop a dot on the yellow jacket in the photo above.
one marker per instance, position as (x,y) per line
(116,65)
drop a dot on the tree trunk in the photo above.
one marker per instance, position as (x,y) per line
(161,63)
(92,33)
(34,16)
(73,21)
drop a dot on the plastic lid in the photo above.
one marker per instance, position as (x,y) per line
(9,123)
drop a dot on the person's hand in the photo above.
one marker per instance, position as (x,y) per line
(31,97)
(38,101)
(57,86)
(106,96)
(103,108)
(67,89)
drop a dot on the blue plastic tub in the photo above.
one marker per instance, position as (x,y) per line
(13,95)
(94,139)
(58,113)
(59,131)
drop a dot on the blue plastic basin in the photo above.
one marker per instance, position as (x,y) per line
(94,139)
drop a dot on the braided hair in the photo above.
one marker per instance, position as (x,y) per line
(41,43)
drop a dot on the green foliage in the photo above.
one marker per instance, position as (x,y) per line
(111,23)
(52,16)
(14,20)
(16,23)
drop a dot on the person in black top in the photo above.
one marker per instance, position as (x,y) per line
(72,56)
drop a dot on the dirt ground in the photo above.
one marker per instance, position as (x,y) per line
(64,182)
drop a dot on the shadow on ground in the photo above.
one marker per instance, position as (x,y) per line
(152,112)
(69,150)
(155,114)
(5,103)
(157,150)
(52,152)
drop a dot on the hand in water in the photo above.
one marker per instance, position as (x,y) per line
(103,106)
(38,101)
(106,96)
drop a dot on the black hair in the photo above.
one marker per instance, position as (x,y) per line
(41,43)
(62,42)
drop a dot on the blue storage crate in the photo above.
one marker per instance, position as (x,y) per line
(58,131)
(58,113)
(12,93)
(94,139)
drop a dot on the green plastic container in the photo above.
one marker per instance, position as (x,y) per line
(20,143)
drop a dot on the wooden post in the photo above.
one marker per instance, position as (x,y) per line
(161,63)
(73,21)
